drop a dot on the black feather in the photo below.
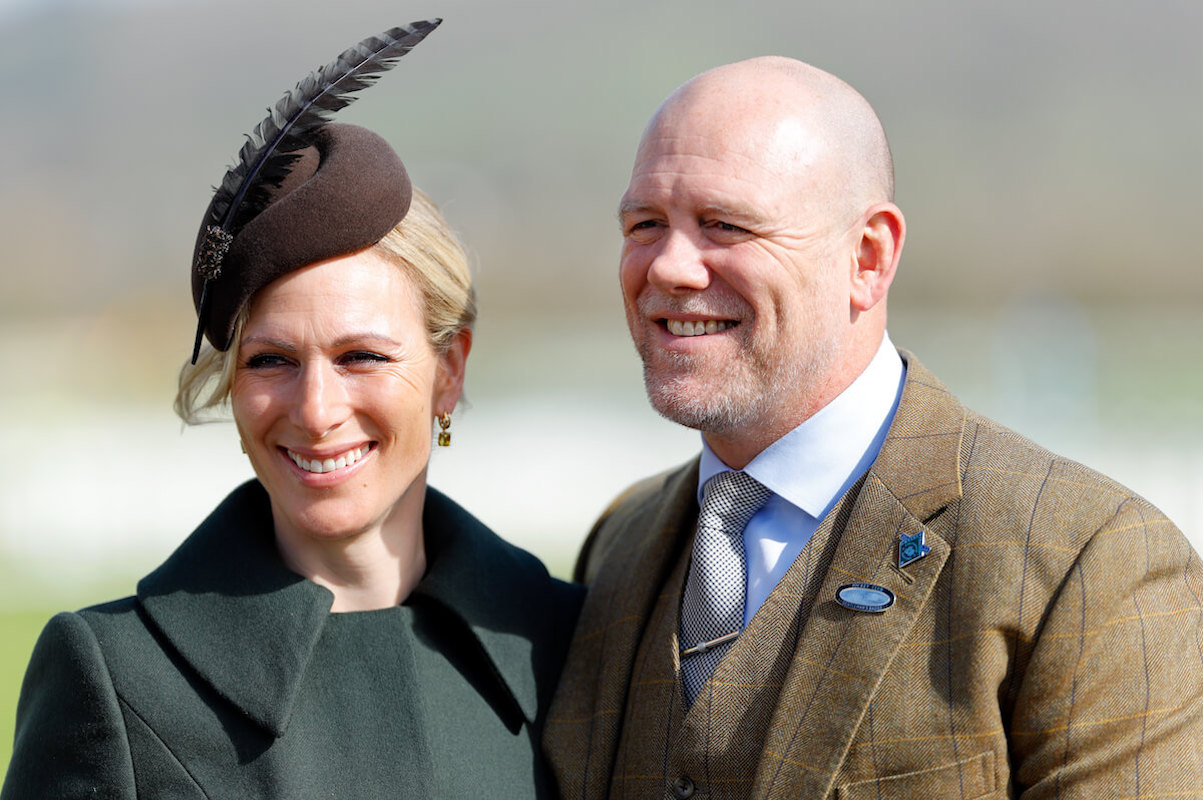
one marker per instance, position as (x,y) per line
(269,150)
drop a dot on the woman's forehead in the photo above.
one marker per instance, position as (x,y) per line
(361,292)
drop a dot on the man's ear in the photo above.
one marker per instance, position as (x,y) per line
(449,380)
(877,254)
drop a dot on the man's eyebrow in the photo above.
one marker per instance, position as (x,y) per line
(629,208)
(738,213)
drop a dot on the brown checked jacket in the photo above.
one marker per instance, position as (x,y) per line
(1050,644)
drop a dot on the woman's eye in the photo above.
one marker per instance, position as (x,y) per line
(265,361)
(364,357)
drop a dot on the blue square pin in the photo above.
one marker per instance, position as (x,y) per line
(911,548)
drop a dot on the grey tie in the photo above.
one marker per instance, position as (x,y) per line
(713,605)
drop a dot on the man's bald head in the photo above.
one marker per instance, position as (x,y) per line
(800,115)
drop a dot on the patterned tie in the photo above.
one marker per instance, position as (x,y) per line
(713,605)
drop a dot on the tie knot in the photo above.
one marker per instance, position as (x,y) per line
(729,500)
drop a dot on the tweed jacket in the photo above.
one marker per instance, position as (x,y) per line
(1050,644)
(227,677)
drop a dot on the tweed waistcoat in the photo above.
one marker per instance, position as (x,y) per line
(713,748)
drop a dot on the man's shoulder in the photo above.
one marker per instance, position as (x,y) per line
(1004,481)
(637,501)
(1045,489)
(1011,487)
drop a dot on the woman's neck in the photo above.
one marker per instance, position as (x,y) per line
(367,570)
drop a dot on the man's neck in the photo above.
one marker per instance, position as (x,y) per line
(737,447)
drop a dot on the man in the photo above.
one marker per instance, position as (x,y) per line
(923,604)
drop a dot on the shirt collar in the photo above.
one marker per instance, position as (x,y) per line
(815,463)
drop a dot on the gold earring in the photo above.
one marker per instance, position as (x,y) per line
(444,434)
(242,446)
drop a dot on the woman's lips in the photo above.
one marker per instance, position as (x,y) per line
(318,466)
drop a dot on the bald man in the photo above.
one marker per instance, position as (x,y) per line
(860,588)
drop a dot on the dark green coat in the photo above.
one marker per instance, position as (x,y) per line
(227,677)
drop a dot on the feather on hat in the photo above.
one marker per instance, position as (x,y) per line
(302,190)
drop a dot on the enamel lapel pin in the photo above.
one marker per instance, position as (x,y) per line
(911,548)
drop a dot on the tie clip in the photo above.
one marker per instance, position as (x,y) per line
(704,647)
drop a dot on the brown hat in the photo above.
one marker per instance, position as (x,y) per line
(303,190)
(343,194)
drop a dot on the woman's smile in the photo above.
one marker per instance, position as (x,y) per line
(319,465)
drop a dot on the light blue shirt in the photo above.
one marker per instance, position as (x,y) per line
(810,468)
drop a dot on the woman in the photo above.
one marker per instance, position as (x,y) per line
(335,628)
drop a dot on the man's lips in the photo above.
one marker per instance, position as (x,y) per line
(329,463)
(679,327)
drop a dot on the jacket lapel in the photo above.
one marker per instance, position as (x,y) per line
(586,717)
(843,654)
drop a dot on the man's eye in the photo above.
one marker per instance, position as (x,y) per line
(641,225)
(728,227)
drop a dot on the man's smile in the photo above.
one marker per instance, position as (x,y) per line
(699,327)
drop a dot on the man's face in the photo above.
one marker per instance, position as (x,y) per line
(734,271)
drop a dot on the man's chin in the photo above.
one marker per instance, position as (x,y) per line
(702,410)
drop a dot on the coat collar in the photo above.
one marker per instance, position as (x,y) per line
(248,626)
(492,587)
(920,460)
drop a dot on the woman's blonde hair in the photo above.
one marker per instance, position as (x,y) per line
(422,245)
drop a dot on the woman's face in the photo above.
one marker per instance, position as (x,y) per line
(334,394)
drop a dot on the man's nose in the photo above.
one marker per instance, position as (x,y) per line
(321,401)
(679,266)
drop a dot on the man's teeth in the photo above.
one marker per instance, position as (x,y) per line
(319,466)
(687,328)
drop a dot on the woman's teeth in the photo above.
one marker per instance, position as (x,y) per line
(687,328)
(318,466)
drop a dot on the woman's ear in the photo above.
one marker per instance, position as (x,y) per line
(449,380)
(877,255)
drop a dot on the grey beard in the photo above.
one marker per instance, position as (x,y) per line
(752,390)
(716,412)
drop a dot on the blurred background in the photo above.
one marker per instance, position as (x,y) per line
(1047,161)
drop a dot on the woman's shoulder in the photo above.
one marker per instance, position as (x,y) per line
(68,716)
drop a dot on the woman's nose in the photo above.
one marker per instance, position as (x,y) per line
(320,404)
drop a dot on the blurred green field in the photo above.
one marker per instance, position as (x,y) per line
(18,630)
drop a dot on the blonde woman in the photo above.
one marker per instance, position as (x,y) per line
(335,628)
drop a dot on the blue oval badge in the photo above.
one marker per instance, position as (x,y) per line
(865,597)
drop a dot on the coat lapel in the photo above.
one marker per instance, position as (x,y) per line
(235,613)
(504,614)
(586,717)
(842,654)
